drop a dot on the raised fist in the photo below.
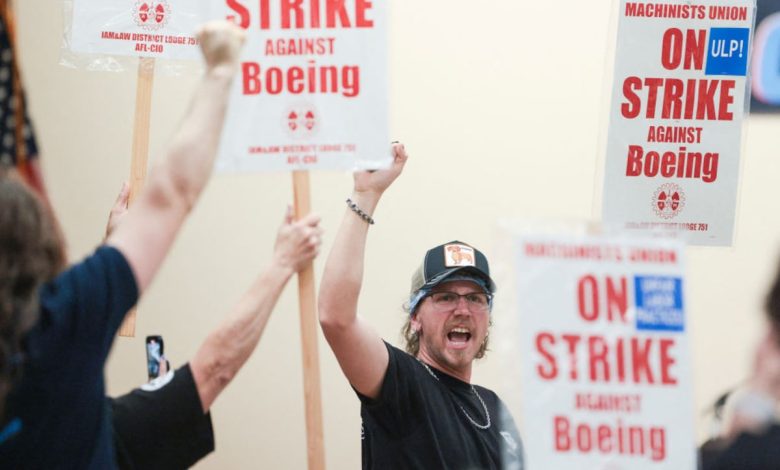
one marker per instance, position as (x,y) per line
(221,43)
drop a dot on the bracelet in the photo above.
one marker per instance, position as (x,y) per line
(354,207)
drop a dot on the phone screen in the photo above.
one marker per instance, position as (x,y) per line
(154,352)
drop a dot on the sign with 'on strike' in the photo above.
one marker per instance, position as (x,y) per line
(606,374)
(676,117)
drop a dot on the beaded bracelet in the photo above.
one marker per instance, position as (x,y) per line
(354,207)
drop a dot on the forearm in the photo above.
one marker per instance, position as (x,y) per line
(360,351)
(342,278)
(358,348)
(227,348)
(173,185)
(193,149)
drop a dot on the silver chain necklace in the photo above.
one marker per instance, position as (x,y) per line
(473,389)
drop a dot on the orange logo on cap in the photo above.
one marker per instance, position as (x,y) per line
(458,255)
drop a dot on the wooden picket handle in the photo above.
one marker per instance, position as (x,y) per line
(311,363)
(140,155)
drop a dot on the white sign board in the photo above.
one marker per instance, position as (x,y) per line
(138,28)
(606,374)
(312,89)
(676,116)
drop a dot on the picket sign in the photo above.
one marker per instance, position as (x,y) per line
(677,117)
(606,375)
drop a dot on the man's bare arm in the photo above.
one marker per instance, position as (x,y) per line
(358,348)
(173,185)
(228,347)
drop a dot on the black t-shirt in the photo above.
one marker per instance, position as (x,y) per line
(748,452)
(426,419)
(162,424)
(57,415)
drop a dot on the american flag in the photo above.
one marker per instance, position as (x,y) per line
(17,141)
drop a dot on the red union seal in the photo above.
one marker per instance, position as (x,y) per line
(668,200)
(151,15)
(301,120)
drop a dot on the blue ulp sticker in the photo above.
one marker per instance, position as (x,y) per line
(659,304)
(727,51)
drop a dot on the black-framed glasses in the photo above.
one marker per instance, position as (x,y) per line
(475,301)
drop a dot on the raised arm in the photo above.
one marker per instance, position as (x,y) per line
(229,346)
(358,348)
(173,185)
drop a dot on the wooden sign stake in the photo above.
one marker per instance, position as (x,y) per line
(311,363)
(140,155)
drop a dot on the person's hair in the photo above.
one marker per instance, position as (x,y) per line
(772,302)
(412,338)
(31,253)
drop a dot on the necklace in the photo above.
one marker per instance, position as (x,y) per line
(474,390)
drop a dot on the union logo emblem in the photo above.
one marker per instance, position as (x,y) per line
(668,200)
(151,15)
(301,120)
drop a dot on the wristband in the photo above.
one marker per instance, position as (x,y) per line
(357,210)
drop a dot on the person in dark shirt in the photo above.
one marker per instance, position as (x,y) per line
(56,330)
(752,437)
(419,407)
(166,424)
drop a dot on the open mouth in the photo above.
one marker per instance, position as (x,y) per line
(459,335)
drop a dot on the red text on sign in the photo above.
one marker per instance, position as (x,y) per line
(682,164)
(674,134)
(693,43)
(608,402)
(312,79)
(303,14)
(680,99)
(592,299)
(663,10)
(609,438)
(638,360)
(299,46)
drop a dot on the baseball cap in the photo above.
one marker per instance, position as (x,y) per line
(452,260)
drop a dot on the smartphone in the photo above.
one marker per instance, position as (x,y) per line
(154,352)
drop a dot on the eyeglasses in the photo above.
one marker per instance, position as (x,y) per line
(475,301)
